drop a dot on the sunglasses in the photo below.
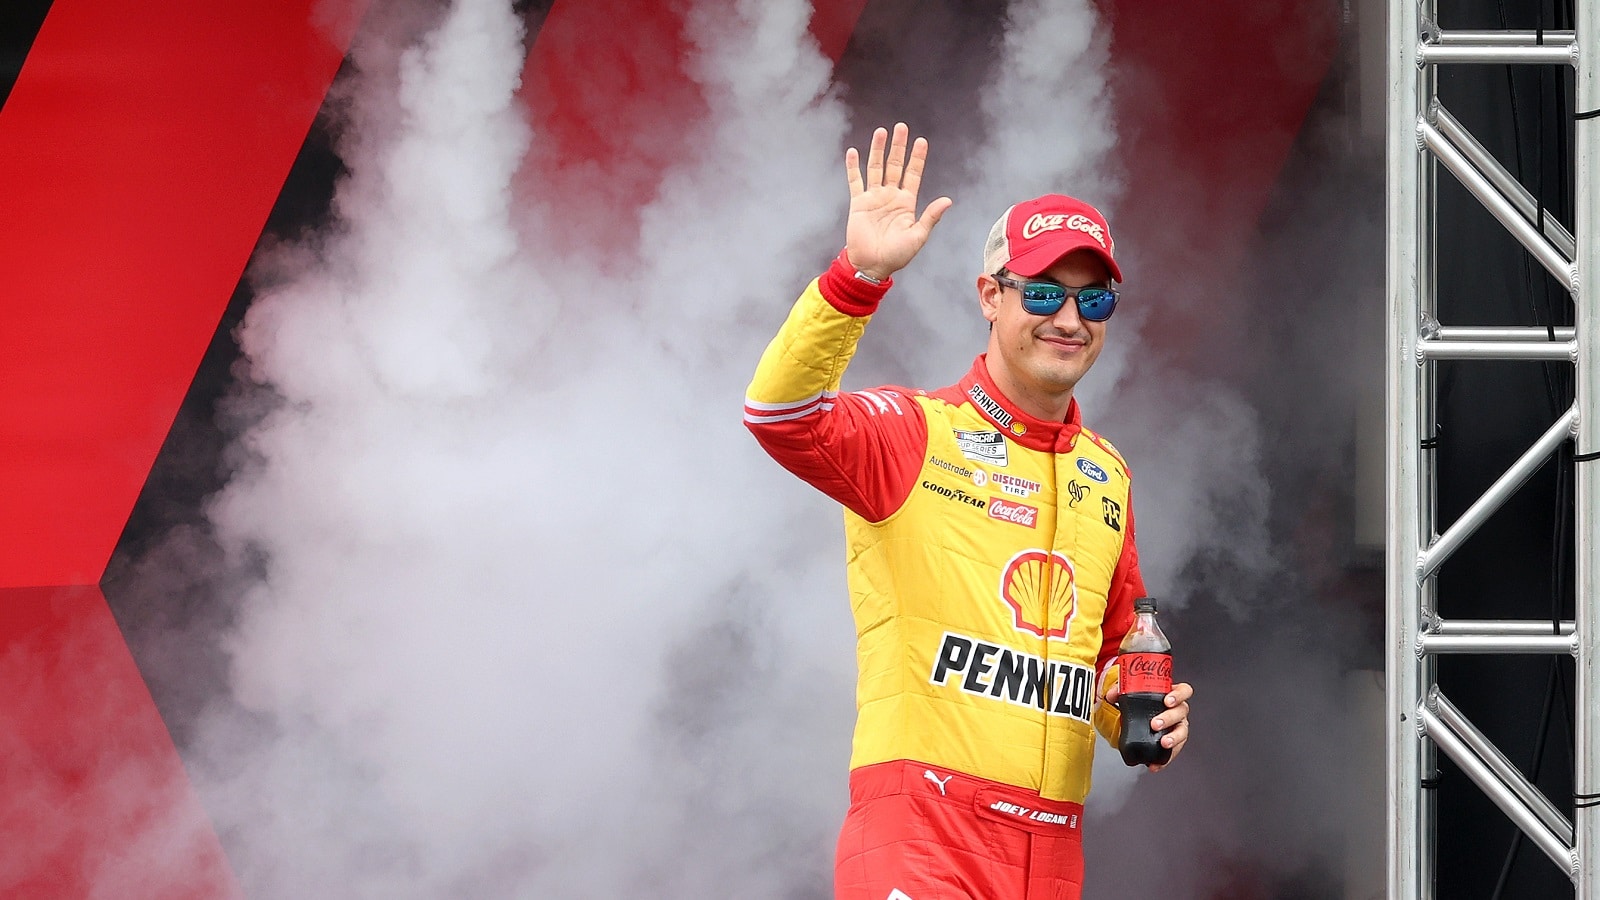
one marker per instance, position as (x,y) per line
(1045,298)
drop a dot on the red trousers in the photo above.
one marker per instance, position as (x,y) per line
(917,832)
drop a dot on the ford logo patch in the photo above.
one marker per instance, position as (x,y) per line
(1088,468)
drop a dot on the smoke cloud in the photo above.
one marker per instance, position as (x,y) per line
(516,608)
(519,628)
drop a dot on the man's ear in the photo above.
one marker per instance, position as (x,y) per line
(989,297)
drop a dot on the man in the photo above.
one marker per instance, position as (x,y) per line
(991,553)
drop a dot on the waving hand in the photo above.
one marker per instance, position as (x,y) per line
(883,232)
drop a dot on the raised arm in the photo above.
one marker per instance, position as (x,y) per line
(862,449)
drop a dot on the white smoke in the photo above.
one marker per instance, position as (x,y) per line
(531,614)
(520,620)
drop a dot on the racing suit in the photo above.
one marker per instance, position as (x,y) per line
(992,573)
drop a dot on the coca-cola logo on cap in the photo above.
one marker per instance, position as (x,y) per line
(1039,223)
(1040,588)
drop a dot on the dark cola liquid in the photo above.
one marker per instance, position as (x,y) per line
(1139,745)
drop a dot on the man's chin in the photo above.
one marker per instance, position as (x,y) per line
(1055,380)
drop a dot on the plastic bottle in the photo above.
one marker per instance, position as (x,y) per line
(1144,678)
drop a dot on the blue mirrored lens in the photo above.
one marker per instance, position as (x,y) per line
(1096,304)
(1042,299)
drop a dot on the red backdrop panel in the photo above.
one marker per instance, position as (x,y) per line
(91,789)
(608,89)
(1210,100)
(140,152)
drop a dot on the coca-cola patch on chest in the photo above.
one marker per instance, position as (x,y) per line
(1015,513)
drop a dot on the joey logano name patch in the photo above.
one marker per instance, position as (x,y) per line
(1054,687)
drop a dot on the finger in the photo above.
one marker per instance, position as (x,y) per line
(919,158)
(897,155)
(1181,692)
(852,172)
(930,218)
(1170,718)
(1175,742)
(875,158)
(1178,737)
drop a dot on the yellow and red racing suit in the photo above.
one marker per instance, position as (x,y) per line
(991,559)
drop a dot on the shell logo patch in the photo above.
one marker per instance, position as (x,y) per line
(1039,587)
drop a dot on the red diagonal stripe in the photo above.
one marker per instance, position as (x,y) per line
(140,152)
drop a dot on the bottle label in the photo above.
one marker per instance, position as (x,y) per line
(1145,673)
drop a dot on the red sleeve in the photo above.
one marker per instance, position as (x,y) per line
(863,449)
(1127,585)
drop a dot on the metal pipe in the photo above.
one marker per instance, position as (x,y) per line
(1545,350)
(1498,206)
(1518,38)
(1586,493)
(1510,804)
(1480,157)
(1405,282)
(1501,626)
(1496,643)
(1427,492)
(1497,494)
(1511,333)
(1426,386)
(1504,54)
(1502,767)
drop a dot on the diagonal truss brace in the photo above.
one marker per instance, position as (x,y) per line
(1530,810)
(1497,494)
(1502,207)
(1484,161)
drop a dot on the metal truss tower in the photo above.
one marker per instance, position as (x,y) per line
(1425,143)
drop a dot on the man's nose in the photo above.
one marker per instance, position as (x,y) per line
(1067,318)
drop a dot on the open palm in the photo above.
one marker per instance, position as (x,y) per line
(883,231)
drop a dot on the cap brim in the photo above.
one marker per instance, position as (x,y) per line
(1045,255)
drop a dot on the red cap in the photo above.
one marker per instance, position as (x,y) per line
(1034,235)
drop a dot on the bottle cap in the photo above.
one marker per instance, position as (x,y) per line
(1144,604)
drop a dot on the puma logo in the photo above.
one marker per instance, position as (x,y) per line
(940,782)
(898,894)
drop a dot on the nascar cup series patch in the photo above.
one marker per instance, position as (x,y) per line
(982,446)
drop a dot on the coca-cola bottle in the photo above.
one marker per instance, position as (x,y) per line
(1144,679)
